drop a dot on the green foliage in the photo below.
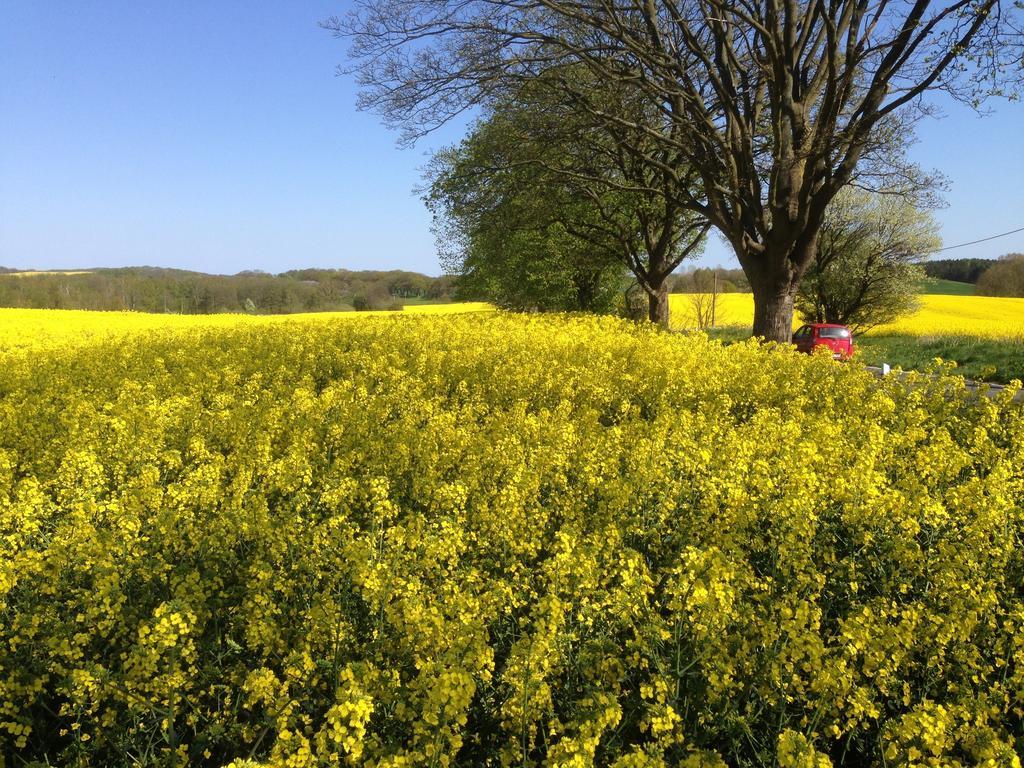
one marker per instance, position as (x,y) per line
(1004,278)
(513,234)
(867,268)
(502,540)
(541,208)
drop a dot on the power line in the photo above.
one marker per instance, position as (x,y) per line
(982,240)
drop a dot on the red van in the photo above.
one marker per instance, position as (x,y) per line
(838,338)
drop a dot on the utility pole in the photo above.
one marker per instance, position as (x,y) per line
(714,297)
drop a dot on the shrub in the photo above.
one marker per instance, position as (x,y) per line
(867,271)
(502,540)
(376,299)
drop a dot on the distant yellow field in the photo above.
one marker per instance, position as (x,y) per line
(34,272)
(982,316)
(986,316)
(29,328)
(734,309)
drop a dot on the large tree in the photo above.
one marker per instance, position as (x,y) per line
(867,270)
(777,104)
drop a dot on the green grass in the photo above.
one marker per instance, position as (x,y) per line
(935,285)
(729,333)
(981,359)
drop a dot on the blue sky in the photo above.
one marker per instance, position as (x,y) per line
(216,136)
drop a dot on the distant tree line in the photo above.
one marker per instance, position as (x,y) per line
(707,280)
(150,289)
(993,277)
(1004,277)
(959,270)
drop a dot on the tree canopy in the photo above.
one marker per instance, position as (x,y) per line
(533,168)
(513,238)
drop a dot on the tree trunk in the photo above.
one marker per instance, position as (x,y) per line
(774,284)
(586,290)
(773,310)
(657,305)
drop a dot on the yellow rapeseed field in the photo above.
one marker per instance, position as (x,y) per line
(981,316)
(733,309)
(984,316)
(39,328)
(498,540)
